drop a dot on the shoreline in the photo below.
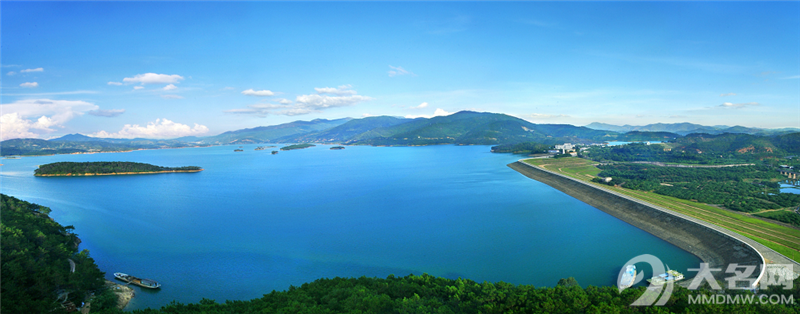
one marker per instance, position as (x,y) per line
(112,174)
(712,244)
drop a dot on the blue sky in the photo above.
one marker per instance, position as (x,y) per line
(170,69)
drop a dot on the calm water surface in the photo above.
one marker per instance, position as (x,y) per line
(253,222)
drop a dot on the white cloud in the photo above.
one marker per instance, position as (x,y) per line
(11,73)
(14,126)
(228,88)
(785,78)
(294,112)
(727,94)
(138,87)
(32,70)
(35,117)
(170,87)
(738,106)
(261,93)
(305,104)
(106,113)
(422,105)
(437,113)
(29,84)
(153,78)
(395,71)
(171,97)
(161,128)
(115,83)
(341,90)
(319,102)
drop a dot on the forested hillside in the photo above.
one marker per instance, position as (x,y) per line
(36,268)
(428,294)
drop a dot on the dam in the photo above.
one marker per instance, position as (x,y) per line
(714,245)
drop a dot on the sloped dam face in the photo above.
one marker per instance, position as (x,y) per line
(713,247)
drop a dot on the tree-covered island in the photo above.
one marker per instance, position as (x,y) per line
(297,146)
(57,169)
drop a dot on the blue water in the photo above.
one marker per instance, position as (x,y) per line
(789,188)
(253,222)
(618,143)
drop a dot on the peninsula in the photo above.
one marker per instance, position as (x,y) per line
(104,168)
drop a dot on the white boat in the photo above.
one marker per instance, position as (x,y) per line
(626,281)
(144,283)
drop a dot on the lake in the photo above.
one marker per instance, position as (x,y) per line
(619,143)
(253,222)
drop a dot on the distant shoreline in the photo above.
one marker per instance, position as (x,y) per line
(112,174)
(105,151)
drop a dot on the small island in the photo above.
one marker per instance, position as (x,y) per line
(104,168)
(297,146)
(337,147)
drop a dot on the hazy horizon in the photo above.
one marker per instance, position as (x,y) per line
(174,69)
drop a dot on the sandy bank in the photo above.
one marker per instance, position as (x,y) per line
(714,245)
(111,174)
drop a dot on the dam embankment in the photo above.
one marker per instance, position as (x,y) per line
(714,246)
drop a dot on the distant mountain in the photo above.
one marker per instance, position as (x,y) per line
(689,128)
(75,138)
(641,136)
(478,128)
(610,127)
(266,134)
(679,128)
(461,128)
(353,129)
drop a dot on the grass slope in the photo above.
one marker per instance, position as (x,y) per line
(782,239)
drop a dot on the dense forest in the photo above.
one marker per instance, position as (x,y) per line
(36,268)
(428,294)
(705,149)
(661,153)
(743,188)
(60,168)
(522,148)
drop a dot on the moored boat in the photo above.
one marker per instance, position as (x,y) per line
(669,276)
(144,283)
(626,281)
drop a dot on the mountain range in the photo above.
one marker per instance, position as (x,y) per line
(461,128)
(686,128)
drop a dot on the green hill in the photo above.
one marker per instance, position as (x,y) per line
(468,128)
(36,254)
(356,128)
(272,134)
